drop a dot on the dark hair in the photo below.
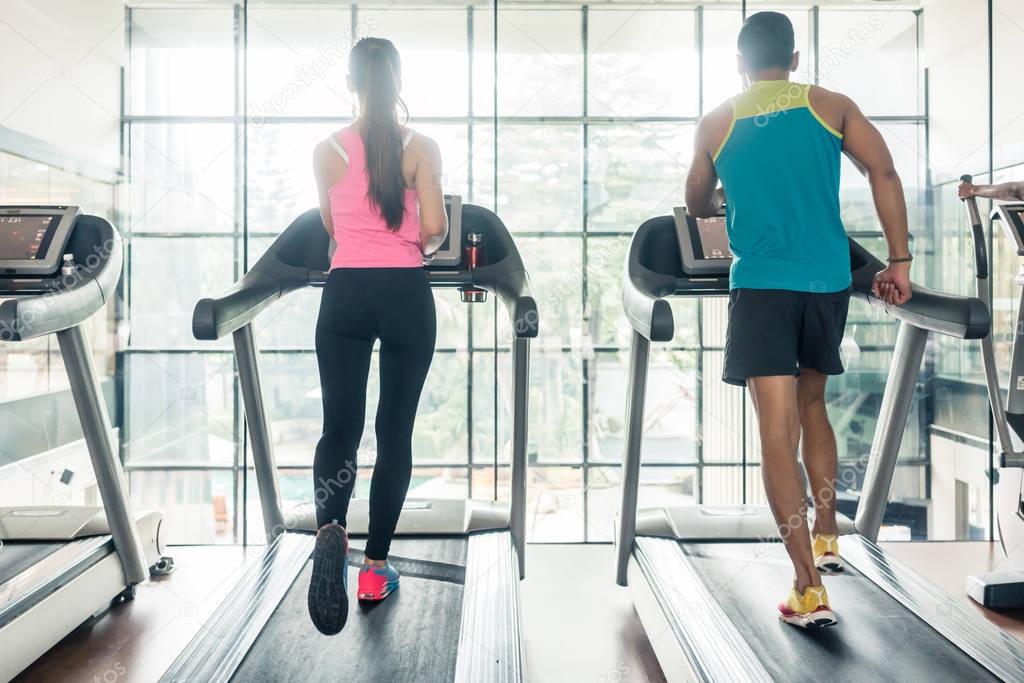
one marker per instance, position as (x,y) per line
(766,41)
(375,66)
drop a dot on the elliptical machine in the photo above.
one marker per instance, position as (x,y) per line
(1003,589)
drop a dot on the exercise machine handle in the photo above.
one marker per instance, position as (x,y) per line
(978,231)
(988,357)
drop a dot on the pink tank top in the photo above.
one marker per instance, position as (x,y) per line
(362,235)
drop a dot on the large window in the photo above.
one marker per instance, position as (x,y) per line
(574,123)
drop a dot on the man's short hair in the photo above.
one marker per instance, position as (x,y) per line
(766,41)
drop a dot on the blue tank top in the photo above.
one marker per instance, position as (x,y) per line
(779,165)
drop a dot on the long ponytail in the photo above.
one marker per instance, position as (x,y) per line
(374,66)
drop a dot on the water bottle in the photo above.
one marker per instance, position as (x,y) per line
(68,267)
(474,255)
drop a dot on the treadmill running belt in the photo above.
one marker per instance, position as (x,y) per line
(876,639)
(413,635)
(17,556)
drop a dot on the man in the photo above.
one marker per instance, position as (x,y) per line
(776,148)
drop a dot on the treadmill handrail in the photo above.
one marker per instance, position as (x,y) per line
(299,258)
(78,296)
(511,283)
(955,315)
(236,307)
(644,289)
(270,278)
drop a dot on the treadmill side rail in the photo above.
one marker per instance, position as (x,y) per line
(60,610)
(50,599)
(697,625)
(952,617)
(219,647)
(490,643)
(25,590)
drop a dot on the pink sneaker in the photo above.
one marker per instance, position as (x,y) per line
(377,583)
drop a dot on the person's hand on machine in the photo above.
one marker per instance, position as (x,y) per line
(892,285)
(966,190)
(1005,192)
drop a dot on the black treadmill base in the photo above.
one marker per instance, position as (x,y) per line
(413,635)
(876,639)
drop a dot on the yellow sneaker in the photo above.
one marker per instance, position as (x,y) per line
(826,554)
(810,610)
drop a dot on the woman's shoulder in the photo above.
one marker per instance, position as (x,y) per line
(420,143)
(324,153)
(332,147)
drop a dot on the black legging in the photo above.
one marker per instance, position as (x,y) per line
(359,306)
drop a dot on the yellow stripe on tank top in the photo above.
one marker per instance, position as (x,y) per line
(728,133)
(764,98)
(824,124)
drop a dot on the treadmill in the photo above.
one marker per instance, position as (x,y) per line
(61,565)
(705,579)
(456,615)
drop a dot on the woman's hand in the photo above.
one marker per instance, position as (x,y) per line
(892,285)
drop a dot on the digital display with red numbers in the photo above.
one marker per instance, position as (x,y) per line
(25,237)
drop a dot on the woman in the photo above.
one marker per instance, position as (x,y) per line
(381,202)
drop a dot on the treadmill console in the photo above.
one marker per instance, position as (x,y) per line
(1012,216)
(33,239)
(703,244)
(450,253)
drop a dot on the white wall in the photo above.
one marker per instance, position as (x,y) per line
(956,54)
(1008,96)
(952,462)
(61,61)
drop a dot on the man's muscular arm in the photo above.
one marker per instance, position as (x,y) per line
(702,199)
(864,145)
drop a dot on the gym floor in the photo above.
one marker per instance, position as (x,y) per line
(136,642)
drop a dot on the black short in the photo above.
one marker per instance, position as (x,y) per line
(777,332)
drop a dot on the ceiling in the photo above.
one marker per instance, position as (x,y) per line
(334,4)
